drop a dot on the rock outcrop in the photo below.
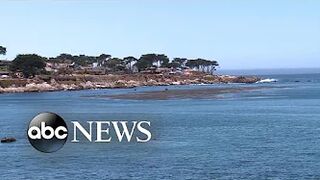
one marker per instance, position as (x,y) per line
(78,82)
(8,139)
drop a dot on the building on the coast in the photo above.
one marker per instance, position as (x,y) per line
(50,67)
(18,74)
(91,70)
(156,64)
(163,70)
(4,69)
(4,74)
(176,72)
(57,66)
(189,71)
(95,65)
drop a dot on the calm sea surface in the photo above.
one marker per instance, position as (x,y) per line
(262,134)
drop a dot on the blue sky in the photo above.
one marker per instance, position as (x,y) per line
(239,34)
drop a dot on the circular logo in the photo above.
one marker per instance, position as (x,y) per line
(47,132)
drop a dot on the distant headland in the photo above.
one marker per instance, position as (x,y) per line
(34,73)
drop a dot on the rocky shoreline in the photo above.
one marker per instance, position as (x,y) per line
(80,82)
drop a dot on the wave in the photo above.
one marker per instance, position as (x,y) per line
(268,80)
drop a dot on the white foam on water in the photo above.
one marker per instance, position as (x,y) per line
(268,80)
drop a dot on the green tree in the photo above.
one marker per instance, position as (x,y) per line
(179,62)
(65,57)
(84,60)
(104,56)
(3,50)
(146,61)
(162,60)
(115,64)
(29,64)
(102,59)
(202,65)
(193,64)
(173,65)
(212,66)
(130,61)
(149,60)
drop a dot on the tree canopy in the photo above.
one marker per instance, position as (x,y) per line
(161,60)
(116,64)
(28,64)
(32,64)
(130,61)
(202,65)
(3,50)
(144,62)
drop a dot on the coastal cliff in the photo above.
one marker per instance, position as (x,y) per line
(79,82)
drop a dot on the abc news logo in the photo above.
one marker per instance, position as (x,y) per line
(48,132)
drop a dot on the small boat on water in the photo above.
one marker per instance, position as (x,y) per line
(8,139)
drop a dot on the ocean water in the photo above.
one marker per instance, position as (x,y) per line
(269,133)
